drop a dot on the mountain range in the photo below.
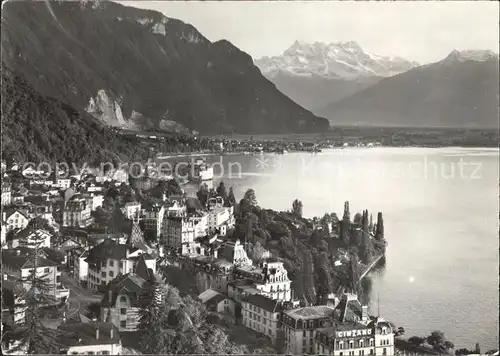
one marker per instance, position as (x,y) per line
(315,75)
(460,91)
(342,82)
(138,69)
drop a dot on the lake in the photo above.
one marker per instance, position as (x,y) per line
(440,211)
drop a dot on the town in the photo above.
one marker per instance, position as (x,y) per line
(84,256)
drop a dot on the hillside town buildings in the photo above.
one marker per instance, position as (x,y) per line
(6,193)
(112,257)
(77,212)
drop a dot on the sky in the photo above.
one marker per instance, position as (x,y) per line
(419,31)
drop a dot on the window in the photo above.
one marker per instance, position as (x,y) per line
(341,354)
(111,273)
(341,346)
(371,342)
(361,352)
(123,299)
(103,274)
(123,324)
(371,351)
(384,351)
(123,311)
(304,342)
(111,263)
(46,270)
(351,344)
(304,333)
(361,343)
(311,333)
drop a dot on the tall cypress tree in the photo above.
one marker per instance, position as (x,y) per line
(379,232)
(31,335)
(366,243)
(345,226)
(231,200)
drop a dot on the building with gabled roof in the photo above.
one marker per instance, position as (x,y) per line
(109,259)
(19,262)
(28,237)
(15,218)
(120,304)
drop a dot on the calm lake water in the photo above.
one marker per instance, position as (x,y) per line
(440,211)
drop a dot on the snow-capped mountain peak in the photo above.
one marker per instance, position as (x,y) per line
(345,60)
(470,55)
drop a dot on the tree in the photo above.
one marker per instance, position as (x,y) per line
(379,229)
(257,252)
(297,208)
(203,194)
(436,338)
(221,191)
(244,207)
(231,200)
(156,300)
(93,311)
(251,197)
(416,340)
(31,335)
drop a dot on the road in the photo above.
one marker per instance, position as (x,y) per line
(79,297)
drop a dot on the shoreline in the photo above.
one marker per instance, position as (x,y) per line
(203,154)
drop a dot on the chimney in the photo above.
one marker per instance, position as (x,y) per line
(364,313)
(97,334)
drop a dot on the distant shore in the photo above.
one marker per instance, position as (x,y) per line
(204,154)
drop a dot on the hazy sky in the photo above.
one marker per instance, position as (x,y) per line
(420,31)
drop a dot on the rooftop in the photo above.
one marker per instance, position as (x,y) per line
(109,249)
(129,284)
(265,303)
(314,312)
(79,334)
(22,258)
